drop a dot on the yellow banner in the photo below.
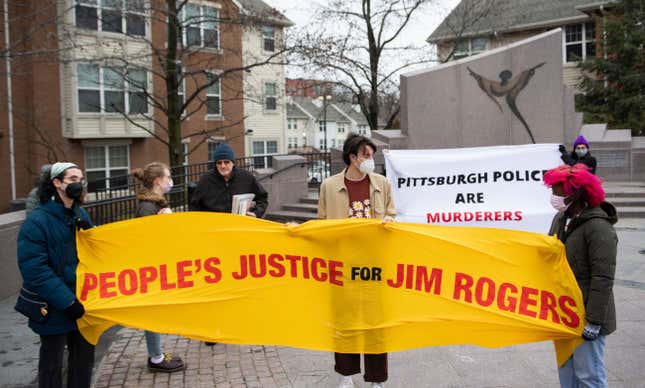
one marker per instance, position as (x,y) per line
(353,286)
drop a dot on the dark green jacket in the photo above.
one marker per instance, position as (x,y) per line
(590,241)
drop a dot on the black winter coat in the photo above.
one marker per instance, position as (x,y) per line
(214,194)
(587,160)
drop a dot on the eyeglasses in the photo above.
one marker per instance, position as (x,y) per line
(83,182)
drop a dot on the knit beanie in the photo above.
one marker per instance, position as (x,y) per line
(223,152)
(580,140)
(59,168)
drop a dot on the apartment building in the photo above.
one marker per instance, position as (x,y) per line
(474,27)
(85,81)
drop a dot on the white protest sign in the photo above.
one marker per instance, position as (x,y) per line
(499,187)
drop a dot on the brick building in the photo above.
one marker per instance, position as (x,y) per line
(83,81)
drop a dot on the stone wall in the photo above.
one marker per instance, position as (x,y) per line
(10,278)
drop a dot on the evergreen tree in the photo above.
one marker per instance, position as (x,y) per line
(614,82)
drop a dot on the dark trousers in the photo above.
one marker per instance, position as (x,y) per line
(79,363)
(350,364)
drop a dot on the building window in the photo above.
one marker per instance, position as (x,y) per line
(107,166)
(470,47)
(185,149)
(262,151)
(111,89)
(268,34)
(292,124)
(120,16)
(333,143)
(362,129)
(270,96)
(341,128)
(213,95)
(200,26)
(580,42)
(323,144)
(212,146)
(321,126)
(293,142)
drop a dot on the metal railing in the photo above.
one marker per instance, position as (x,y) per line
(114,199)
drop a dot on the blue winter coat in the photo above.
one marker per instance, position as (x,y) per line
(47,245)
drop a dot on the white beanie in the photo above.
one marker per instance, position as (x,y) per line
(59,168)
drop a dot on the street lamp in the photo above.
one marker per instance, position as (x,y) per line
(325,103)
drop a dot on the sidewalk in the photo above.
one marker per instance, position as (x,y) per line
(121,358)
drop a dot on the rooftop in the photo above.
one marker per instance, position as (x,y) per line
(488,17)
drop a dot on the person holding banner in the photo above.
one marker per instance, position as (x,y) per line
(215,190)
(580,154)
(584,224)
(357,192)
(47,260)
(155,181)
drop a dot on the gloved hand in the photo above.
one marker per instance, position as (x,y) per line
(562,149)
(82,224)
(75,310)
(591,332)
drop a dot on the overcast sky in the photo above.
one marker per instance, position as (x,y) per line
(419,28)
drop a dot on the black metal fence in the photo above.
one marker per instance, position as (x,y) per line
(114,199)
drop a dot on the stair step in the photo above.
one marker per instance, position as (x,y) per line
(309,200)
(303,207)
(626,201)
(287,216)
(631,211)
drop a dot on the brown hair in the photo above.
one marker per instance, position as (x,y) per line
(146,176)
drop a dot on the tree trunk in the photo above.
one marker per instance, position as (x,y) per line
(175,150)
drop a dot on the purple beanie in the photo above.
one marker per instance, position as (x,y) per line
(580,140)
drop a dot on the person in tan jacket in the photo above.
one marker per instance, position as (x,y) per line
(357,192)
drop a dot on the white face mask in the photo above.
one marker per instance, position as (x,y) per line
(558,203)
(581,152)
(367,166)
(167,189)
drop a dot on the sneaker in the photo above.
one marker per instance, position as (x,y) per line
(377,385)
(169,364)
(346,382)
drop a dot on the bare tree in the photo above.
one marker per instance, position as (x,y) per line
(355,45)
(473,18)
(186,50)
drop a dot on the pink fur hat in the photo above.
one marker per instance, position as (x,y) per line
(576,178)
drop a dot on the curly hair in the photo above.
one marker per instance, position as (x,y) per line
(577,178)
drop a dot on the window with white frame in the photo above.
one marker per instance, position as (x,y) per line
(322,144)
(362,129)
(213,95)
(120,16)
(185,147)
(321,126)
(200,26)
(212,146)
(333,143)
(262,151)
(293,142)
(270,96)
(111,89)
(107,166)
(268,35)
(341,127)
(579,41)
(468,47)
(292,124)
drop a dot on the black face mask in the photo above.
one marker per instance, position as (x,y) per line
(74,191)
